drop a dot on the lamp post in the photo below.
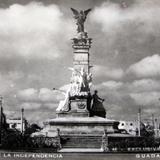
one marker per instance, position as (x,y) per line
(22,121)
(153,122)
(155,127)
(1,98)
(139,122)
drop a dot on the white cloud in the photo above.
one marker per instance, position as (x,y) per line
(33,31)
(150,111)
(44,98)
(29,94)
(111,85)
(144,85)
(112,17)
(47,95)
(8,81)
(106,15)
(137,86)
(147,67)
(113,73)
(30,106)
(44,95)
(146,98)
(50,105)
(9,113)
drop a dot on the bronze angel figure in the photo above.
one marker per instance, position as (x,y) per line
(80,17)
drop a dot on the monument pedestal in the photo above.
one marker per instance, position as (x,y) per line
(78,109)
(81,132)
(76,128)
(73,114)
(81,125)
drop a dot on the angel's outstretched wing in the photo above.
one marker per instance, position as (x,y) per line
(75,12)
(87,11)
(75,70)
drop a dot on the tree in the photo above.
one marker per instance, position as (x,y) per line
(33,128)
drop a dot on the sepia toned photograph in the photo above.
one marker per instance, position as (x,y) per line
(79,79)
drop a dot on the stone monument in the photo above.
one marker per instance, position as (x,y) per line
(76,127)
(75,102)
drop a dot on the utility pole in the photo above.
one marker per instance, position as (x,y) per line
(22,120)
(153,121)
(156,127)
(139,122)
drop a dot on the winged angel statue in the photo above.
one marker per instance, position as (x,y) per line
(80,17)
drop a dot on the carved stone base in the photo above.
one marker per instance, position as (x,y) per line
(78,108)
(81,125)
(73,114)
(79,105)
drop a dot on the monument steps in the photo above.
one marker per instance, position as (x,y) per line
(81,141)
(80,150)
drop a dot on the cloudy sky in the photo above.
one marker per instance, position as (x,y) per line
(35,52)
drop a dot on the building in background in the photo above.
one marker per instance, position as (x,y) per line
(17,123)
(129,126)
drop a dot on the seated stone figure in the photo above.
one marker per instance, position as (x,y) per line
(79,87)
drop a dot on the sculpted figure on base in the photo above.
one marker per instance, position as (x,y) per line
(80,17)
(64,104)
(80,82)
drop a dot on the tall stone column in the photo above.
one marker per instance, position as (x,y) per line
(81,46)
(81,77)
(77,95)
